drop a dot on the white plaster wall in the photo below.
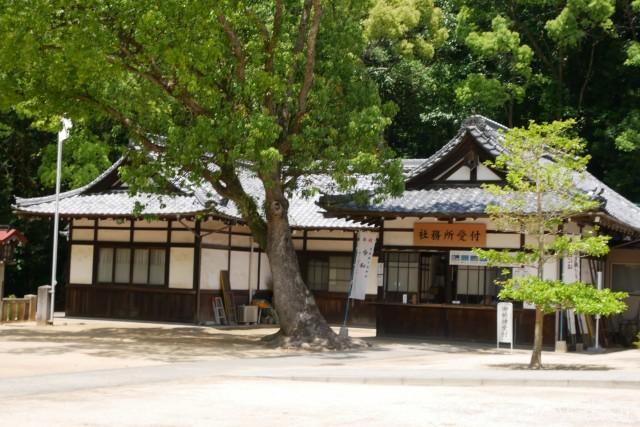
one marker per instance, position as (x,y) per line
(486,174)
(239,275)
(150,236)
(216,239)
(81,234)
(181,268)
(113,235)
(81,268)
(298,244)
(495,240)
(462,174)
(185,236)
(330,245)
(265,272)
(398,238)
(83,222)
(151,224)
(372,283)
(212,261)
(241,241)
(114,223)
(405,222)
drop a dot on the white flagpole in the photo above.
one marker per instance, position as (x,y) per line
(62,135)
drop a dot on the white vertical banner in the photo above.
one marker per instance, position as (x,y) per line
(362,264)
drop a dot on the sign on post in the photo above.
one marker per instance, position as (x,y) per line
(505,324)
(362,265)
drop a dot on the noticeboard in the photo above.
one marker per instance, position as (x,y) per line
(446,235)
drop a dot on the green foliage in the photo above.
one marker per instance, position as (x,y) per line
(246,86)
(578,17)
(543,165)
(84,157)
(577,49)
(552,295)
(627,133)
(411,28)
(633,54)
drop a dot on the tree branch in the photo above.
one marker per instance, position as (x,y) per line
(309,67)
(297,49)
(587,76)
(236,47)
(124,120)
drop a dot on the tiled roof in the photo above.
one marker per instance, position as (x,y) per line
(485,131)
(114,203)
(473,200)
(304,212)
(442,201)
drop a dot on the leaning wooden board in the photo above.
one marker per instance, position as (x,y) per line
(227,297)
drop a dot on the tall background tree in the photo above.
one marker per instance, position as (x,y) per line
(521,60)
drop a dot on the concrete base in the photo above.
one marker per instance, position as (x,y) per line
(561,347)
(43,312)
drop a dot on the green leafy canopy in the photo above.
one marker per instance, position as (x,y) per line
(277,87)
(544,166)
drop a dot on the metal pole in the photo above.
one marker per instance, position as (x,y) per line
(62,135)
(597,346)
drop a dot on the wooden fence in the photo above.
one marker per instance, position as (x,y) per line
(18,309)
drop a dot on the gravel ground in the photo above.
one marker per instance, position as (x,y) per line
(103,373)
(280,403)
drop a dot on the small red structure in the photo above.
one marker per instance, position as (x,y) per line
(10,238)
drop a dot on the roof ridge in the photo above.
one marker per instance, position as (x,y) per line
(28,201)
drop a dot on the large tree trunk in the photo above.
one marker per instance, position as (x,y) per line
(536,355)
(301,323)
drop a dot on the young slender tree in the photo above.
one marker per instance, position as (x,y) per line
(544,166)
(214,90)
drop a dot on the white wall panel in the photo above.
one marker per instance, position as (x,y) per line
(149,236)
(330,245)
(114,223)
(372,283)
(486,174)
(81,268)
(212,261)
(82,234)
(495,240)
(181,268)
(265,272)
(398,238)
(182,236)
(216,239)
(114,235)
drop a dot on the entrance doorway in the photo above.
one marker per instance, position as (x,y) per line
(433,275)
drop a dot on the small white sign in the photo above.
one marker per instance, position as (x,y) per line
(505,323)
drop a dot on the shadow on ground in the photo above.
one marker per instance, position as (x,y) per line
(552,367)
(163,344)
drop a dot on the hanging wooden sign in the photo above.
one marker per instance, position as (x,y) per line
(445,235)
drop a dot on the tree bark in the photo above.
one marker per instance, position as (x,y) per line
(536,355)
(301,323)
